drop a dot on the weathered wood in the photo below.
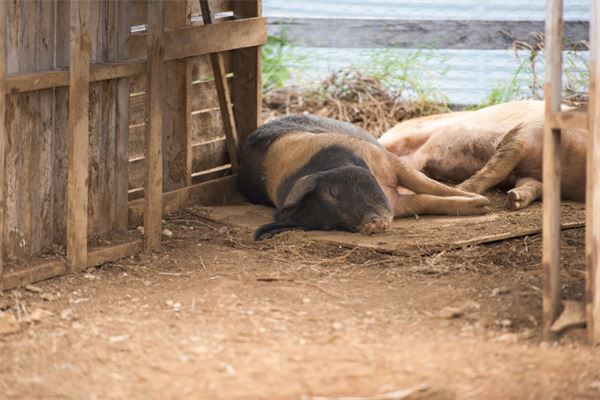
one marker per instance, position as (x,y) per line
(120,51)
(211,193)
(592,248)
(551,165)
(3,134)
(206,39)
(45,269)
(154,168)
(140,9)
(225,105)
(206,125)
(79,67)
(203,156)
(30,81)
(439,34)
(247,66)
(189,69)
(175,106)
(569,120)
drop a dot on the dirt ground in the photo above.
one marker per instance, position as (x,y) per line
(216,316)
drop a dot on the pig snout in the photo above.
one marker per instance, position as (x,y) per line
(375,224)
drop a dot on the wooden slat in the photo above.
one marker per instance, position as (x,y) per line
(551,166)
(154,161)
(26,82)
(211,193)
(569,120)
(206,126)
(3,133)
(46,269)
(120,51)
(592,248)
(193,10)
(206,39)
(247,86)
(203,157)
(218,68)
(438,34)
(78,136)
(188,121)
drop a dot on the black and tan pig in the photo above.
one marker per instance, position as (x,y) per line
(323,174)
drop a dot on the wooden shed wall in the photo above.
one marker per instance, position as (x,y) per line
(194,145)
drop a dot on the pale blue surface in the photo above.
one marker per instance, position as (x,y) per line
(470,74)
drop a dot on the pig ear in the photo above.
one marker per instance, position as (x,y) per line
(301,188)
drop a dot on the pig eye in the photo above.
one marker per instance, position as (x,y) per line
(333,193)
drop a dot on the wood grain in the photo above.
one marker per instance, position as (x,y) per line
(2,132)
(592,248)
(551,166)
(154,157)
(79,67)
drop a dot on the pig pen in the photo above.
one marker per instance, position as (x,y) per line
(438,308)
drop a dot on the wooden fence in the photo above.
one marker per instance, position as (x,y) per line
(102,128)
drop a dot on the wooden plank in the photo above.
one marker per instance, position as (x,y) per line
(204,95)
(46,269)
(119,50)
(154,168)
(61,126)
(189,68)
(202,68)
(551,166)
(439,34)
(247,87)
(30,81)
(211,193)
(78,136)
(225,105)
(206,39)
(569,120)
(3,133)
(203,157)
(206,125)
(592,247)
(216,6)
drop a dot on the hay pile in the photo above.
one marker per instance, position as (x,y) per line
(349,96)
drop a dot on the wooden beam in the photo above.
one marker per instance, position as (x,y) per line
(78,142)
(551,166)
(206,39)
(225,105)
(189,67)
(154,126)
(212,193)
(3,133)
(592,248)
(439,34)
(247,69)
(46,269)
(573,119)
(26,82)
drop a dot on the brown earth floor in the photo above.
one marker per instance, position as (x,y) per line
(215,316)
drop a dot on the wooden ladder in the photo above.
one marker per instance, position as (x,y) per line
(555,121)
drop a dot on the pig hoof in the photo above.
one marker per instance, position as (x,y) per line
(514,200)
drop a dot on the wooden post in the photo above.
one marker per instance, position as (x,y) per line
(79,75)
(551,165)
(247,82)
(2,131)
(154,127)
(218,68)
(592,248)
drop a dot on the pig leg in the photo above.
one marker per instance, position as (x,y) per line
(509,153)
(524,193)
(415,204)
(414,180)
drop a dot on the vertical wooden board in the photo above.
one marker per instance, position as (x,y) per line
(175,106)
(3,21)
(61,126)
(154,166)
(120,51)
(78,143)
(247,85)
(551,165)
(592,245)
(174,125)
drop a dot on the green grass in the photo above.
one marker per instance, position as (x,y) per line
(277,55)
